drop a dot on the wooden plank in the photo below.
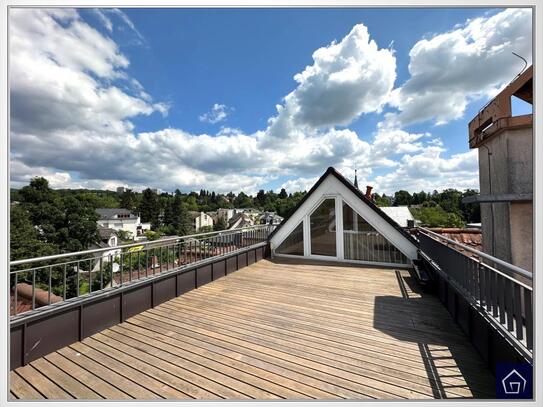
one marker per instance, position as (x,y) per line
(303,383)
(161,389)
(376,362)
(103,388)
(64,381)
(21,388)
(234,359)
(206,389)
(233,368)
(130,387)
(391,382)
(126,382)
(41,383)
(364,385)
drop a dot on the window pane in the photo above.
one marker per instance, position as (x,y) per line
(362,242)
(323,229)
(294,243)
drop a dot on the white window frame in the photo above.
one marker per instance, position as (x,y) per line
(341,194)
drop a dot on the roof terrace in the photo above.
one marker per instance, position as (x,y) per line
(336,302)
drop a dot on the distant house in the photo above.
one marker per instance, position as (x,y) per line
(108,239)
(200,220)
(240,220)
(214,216)
(270,218)
(225,214)
(400,214)
(122,219)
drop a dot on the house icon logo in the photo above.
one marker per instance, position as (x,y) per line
(514,383)
(514,380)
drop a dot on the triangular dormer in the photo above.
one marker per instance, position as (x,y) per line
(335,221)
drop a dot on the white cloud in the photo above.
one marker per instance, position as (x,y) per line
(299,184)
(105,20)
(126,20)
(428,170)
(347,79)
(72,103)
(472,61)
(218,113)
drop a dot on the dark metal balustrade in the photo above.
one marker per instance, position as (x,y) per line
(499,290)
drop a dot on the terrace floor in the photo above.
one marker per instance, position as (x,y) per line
(275,329)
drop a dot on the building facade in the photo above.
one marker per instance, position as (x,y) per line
(122,219)
(200,220)
(505,146)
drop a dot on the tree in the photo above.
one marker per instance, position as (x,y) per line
(67,222)
(124,235)
(180,216)
(283,194)
(260,199)
(381,200)
(24,242)
(243,201)
(129,200)
(470,212)
(149,208)
(221,224)
(402,198)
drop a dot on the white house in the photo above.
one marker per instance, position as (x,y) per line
(122,219)
(200,220)
(108,239)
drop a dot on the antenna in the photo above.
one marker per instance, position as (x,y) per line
(525,63)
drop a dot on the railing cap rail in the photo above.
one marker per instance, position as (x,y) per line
(486,256)
(126,246)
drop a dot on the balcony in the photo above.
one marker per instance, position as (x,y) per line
(190,326)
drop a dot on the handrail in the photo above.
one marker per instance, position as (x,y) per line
(126,246)
(506,301)
(502,263)
(80,274)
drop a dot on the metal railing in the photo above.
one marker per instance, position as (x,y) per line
(501,291)
(48,280)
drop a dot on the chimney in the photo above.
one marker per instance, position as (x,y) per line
(368,192)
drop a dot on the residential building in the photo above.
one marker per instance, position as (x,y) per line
(200,220)
(225,214)
(270,218)
(240,220)
(505,144)
(108,239)
(122,219)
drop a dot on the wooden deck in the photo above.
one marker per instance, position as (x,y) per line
(269,331)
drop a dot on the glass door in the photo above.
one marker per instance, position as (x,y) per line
(323,229)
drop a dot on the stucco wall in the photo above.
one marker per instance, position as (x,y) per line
(507,170)
(521,235)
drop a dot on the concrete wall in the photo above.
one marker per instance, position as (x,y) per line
(511,172)
(521,215)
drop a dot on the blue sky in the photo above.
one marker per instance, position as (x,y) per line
(243,62)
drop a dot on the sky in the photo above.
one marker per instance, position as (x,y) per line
(249,99)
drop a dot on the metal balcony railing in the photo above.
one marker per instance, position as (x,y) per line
(43,282)
(501,291)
